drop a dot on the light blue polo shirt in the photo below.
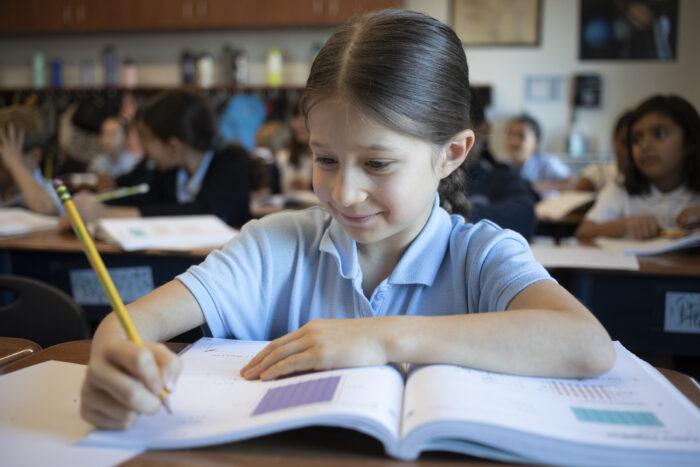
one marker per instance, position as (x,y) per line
(286,269)
(541,167)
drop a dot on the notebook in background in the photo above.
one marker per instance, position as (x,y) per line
(19,221)
(177,233)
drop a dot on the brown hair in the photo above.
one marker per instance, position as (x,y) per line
(28,119)
(407,71)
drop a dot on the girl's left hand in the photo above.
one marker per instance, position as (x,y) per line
(11,142)
(689,218)
(320,344)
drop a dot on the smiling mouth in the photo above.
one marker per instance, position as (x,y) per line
(357,219)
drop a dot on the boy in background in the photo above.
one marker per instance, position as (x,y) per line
(22,142)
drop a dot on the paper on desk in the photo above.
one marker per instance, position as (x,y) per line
(40,420)
(18,221)
(582,257)
(653,246)
(563,204)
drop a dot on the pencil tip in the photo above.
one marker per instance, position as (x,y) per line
(166,405)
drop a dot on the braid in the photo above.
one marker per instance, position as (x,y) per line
(452,191)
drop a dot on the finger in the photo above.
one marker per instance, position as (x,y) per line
(138,360)
(128,391)
(303,361)
(277,355)
(20,138)
(170,365)
(105,407)
(271,347)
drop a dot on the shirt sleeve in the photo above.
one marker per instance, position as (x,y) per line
(556,169)
(499,265)
(609,205)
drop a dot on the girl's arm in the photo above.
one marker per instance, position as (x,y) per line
(545,332)
(639,227)
(123,379)
(689,218)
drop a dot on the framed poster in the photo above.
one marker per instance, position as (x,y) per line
(628,29)
(497,22)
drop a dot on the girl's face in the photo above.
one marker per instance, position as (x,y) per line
(657,148)
(162,153)
(377,183)
(521,142)
(112,137)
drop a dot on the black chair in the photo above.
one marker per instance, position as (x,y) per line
(39,312)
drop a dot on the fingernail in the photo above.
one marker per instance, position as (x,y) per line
(157,388)
(169,382)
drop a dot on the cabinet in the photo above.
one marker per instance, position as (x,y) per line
(20,17)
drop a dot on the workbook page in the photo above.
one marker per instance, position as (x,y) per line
(212,403)
(631,406)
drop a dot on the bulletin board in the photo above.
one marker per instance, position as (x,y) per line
(497,22)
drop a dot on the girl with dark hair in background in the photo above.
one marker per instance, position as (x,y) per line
(381,273)
(661,192)
(185,169)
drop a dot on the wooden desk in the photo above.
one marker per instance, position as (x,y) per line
(13,349)
(306,447)
(631,304)
(51,256)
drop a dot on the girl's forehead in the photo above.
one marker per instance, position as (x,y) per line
(652,119)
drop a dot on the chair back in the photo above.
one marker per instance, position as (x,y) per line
(40,312)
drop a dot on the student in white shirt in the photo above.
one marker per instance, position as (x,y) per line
(382,273)
(22,139)
(662,181)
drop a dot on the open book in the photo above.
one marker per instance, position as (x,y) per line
(654,246)
(630,416)
(564,203)
(180,233)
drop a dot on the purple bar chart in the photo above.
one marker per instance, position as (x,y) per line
(298,394)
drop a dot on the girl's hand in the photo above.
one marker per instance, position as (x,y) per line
(642,227)
(321,344)
(689,218)
(11,142)
(124,379)
(89,209)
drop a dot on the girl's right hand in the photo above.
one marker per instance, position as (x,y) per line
(124,379)
(642,227)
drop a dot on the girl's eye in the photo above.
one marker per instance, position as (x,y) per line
(660,132)
(325,161)
(377,165)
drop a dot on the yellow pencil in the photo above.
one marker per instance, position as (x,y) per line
(101,271)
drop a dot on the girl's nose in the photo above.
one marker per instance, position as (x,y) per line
(348,189)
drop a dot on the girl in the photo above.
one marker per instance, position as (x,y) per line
(662,181)
(193,176)
(543,171)
(381,273)
(115,160)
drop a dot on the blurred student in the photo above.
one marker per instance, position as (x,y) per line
(191,174)
(543,171)
(596,175)
(22,141)
(661,191)
(115,160)
(296,163)
(495,190)
(271,138)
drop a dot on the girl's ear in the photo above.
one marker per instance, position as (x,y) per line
(175,146)
(455,153)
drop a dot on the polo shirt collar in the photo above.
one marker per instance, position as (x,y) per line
(419,264)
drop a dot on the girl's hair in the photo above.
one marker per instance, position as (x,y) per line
(407,71)
(529,121)
(297,150)
(180,114)
(25,118)
(684,115)
(623,122)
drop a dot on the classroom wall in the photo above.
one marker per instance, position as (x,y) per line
(503,68)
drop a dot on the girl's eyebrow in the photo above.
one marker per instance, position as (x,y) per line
(370,147)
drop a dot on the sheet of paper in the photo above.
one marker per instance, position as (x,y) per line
(563,204)
(653,246)
(40,420)
(212,403)
(582,257)
(18,221)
